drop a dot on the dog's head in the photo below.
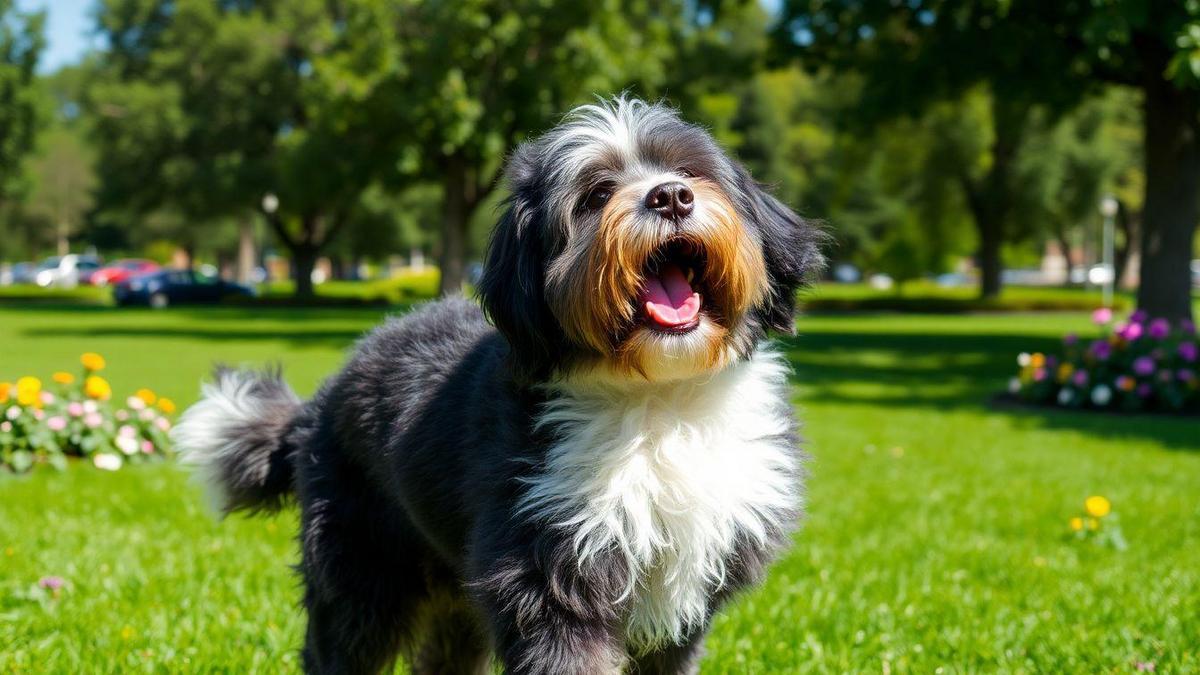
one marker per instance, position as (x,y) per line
(632,244)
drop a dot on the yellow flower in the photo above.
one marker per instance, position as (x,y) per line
(1097,506)
(92,362)
(1093,524)
(96,387)
(5,387)
(1065,371)
(166,405)
(29,391)
(147,396)
(1077,524)
(63,378)
(1037,360)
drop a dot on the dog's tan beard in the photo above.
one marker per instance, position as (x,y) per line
(599,308)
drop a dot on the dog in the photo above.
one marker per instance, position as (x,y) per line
(579,485)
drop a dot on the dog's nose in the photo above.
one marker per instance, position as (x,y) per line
(671,200)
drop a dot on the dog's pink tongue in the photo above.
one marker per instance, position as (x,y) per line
(669,299)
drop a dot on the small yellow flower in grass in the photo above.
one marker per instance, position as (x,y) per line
(1076,524)
(1093,524)
(127,633)
(1097,506)
(5,388)
(166,405)
(97,387)
(29,390)
(147,396)
(63,378)
(92,361)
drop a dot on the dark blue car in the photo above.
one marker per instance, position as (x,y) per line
(175,287)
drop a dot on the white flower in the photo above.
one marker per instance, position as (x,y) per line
(107,461)
(90,406)
(163,423)
(126,430)
(6,426)
(1101,395)
(1023,359)
(1014,385)
(1065,396)
(146,415)
(122,415)
(127,444)
(135,403)
(13,413)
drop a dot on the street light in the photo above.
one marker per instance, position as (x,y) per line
(1108,209)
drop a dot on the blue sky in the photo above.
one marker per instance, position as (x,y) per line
(68,30)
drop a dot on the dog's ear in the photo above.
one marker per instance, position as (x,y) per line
(791,249)
(511,289)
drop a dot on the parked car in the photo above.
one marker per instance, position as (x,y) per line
(66,271)
(18,273)
(175,287)
(116,272)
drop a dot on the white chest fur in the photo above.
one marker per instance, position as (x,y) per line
(668,476)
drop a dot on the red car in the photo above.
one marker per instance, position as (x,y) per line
(116,272)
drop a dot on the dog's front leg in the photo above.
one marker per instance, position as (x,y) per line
(549,615)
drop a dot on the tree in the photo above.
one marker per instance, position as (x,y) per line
(21,43)
(1050,53)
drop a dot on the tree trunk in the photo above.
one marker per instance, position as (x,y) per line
(1172,148)
(456,212)
(1064,243)
(246,253)
(304,259)
(1127,223)
(990,264)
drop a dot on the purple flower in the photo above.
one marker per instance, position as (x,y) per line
(1130,332)
(1144,390)
(1185,375)
(1187,326)
(1139,316)
(1080,378)
(1188,351)
(51,583)
(1070,339)
(1101,349)
(1159,329)
(1102,316)
(1143,365)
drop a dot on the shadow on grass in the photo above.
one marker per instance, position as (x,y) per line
(949,372)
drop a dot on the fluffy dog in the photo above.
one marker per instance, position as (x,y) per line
(580,487)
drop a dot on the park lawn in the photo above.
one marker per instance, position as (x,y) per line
(936,534)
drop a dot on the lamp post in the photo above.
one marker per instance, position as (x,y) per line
(1108,209)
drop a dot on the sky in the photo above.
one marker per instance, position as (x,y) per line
(68,28)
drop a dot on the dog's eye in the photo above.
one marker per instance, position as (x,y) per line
(685,172)
(598,197)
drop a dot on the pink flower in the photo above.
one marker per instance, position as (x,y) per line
(1143,365)
(1130,332)
(126,430)
(1159,329)
(1039,374)
(148,447)
(1139,316)
(1080,378)
(1102,316)
(56,423)
(1070,339)
(122,415)
(146,415)
(93,420)
(38,413)
(75,409)
(13,412)
(51,583)
(163,423)
(47,397)
(1188,351)
(6,426)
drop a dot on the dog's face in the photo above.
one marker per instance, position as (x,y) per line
(633,245)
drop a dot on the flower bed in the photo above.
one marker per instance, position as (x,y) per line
(75,416)
(1141,365)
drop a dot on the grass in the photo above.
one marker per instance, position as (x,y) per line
(936,534)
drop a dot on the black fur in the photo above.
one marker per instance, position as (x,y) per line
(406,466)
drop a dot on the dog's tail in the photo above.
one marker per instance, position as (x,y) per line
(235,437)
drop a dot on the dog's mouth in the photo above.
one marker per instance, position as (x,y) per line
(670,299)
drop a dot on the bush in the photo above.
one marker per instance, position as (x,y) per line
(74,416)
(1141,365)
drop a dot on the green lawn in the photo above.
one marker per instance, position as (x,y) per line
(936,536)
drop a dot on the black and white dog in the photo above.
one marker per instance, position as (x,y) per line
(579,488)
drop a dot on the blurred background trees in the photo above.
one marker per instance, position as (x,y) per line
(933,137)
